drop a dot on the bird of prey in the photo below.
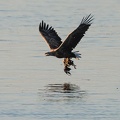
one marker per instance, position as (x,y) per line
(64,49)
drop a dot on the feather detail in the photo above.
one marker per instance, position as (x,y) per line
(77,55)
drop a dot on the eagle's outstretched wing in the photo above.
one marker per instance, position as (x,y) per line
(50,35)
(74,38)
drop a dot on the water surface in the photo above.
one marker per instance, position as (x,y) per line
(25,73)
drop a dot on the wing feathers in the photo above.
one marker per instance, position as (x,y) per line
(50,35)
(74,38)
(87,19)
(54,41)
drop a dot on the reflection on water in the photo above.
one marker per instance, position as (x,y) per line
(63,88)
(61,92)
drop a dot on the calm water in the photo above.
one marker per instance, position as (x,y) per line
(31,83)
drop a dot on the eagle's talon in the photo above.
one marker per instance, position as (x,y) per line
(67,70)
(74,66)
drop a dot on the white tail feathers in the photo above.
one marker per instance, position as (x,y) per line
(77,54)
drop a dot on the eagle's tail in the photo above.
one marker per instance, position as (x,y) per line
(77,54)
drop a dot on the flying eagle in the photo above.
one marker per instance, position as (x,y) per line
(64,49)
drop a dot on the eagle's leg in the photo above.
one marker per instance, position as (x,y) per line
(66,68)
(66,61)
(69,62)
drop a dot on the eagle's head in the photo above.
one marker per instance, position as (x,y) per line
(49,54)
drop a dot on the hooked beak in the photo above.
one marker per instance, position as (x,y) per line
(47,54)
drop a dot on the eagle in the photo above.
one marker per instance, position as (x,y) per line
(64,49)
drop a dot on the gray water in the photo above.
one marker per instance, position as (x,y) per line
(31,83)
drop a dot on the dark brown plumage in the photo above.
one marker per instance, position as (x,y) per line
(64,49)
(50,35)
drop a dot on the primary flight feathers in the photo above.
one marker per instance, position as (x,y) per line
(50,35)
(54,41)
